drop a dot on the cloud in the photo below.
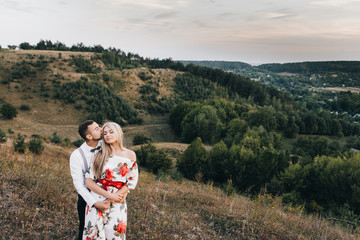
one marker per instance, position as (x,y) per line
(16,5)
(166,15)
(334,3)
(279,15)
(150,4)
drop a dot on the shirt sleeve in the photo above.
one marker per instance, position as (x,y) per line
(76,169)
(90,172)
(132,176)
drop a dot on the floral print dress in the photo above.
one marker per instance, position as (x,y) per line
(110,224)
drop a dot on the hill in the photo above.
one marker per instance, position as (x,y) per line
(243,122)
(36,85)
(319,85)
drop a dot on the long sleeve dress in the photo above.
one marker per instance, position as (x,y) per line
(110,224)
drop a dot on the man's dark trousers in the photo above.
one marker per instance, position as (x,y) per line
(81,205)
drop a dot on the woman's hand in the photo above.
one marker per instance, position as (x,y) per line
(123,192)
(115,197)
(124,196)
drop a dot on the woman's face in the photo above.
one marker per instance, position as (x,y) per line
(109,135)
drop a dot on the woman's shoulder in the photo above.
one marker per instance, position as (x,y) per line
(126,153)
(130,154)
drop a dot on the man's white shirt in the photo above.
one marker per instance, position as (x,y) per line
(77,169)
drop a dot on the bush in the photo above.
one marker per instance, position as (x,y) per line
(78,106)
(24,107)
(177,176)
(55,138)
(8,111)
(141,139)
(78,142)
(154,159)
(143,76)
(67,142)
(19,143)
(161,176)
(10,131)
(36,146)
(159,161)
(3,136)
(143,152)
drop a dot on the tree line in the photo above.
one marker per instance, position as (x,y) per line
(313,67)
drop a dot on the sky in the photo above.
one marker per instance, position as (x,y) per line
(252,31)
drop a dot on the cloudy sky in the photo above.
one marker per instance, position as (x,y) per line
(252,31)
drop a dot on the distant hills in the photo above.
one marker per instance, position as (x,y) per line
(296,67)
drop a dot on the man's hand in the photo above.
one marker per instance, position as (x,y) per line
(102,205)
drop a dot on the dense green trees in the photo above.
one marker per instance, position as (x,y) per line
(201,122)
(84,65)
(250,164)
(25,46)
(59,46)
(221,119)
(193,160)
(326,184)
(314,67)
(216,162)
(100,101)
(111,57)
(239,85)
(197,88)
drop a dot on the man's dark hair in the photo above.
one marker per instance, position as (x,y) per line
(84,127)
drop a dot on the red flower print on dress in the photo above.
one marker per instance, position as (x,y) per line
(133,164)
(87,209)
(124,170)
(87,238)
(100,213)
(109,174)
(121,228)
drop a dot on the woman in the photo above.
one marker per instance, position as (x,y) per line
(113,172)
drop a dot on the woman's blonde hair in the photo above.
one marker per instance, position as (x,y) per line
(104,154)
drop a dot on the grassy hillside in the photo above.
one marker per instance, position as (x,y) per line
(37,195)
(46,114)
(38,201)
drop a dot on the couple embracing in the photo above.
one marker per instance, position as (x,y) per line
(103,172)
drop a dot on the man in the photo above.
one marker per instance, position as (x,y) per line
(79,163)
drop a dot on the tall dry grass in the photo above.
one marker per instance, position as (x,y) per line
(38,201)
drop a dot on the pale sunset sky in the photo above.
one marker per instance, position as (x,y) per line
(252,31)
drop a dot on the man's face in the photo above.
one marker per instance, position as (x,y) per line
(94,132)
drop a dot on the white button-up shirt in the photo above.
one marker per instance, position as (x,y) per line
(77,167)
